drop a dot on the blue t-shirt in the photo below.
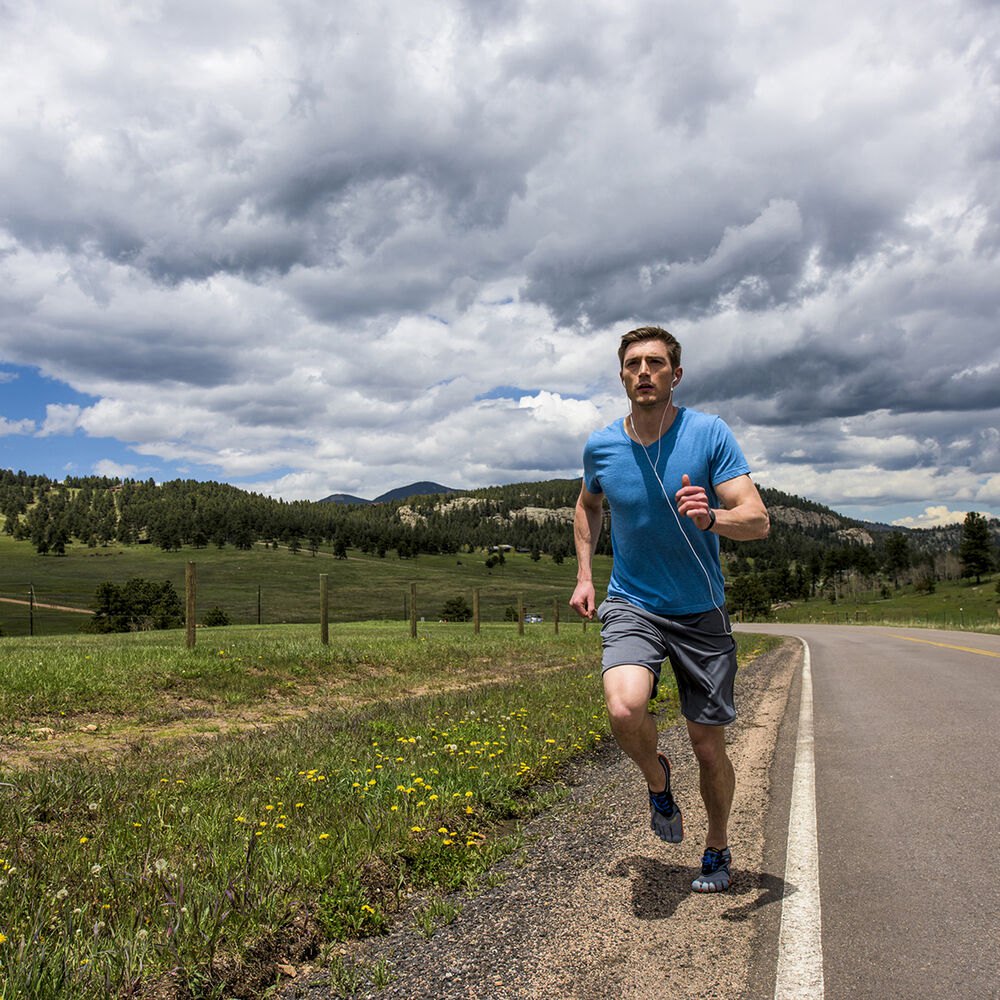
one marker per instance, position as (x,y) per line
(655,567)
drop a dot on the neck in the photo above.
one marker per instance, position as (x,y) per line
(648,425)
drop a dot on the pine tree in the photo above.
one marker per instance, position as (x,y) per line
(975,551)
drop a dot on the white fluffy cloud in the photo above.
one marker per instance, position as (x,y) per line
(932,517)
(320,248)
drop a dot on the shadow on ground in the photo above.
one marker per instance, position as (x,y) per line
(658,888)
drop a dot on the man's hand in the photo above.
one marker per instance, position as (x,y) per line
(692,502)
(583,600)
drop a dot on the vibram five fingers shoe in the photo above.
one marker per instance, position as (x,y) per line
(664,815)
(714,875)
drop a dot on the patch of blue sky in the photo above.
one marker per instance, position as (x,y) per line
(506,392)
(25,392)
(516,392)
(24,395)
(60,455)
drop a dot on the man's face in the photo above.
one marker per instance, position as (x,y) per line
(647,373)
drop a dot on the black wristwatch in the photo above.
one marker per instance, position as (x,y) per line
(711,520)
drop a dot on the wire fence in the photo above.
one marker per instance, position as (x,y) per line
(30,610)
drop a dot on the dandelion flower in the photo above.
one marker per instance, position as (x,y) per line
(83,840)
(324,836)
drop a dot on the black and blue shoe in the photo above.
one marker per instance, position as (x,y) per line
(714,875)
(664,814)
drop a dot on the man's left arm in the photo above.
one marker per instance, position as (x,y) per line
(742,516)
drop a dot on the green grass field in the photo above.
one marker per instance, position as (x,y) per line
(284,587)
(361,587)
(953,605)
(307,795)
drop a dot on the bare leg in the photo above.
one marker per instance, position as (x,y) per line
(626,691)
(718,779)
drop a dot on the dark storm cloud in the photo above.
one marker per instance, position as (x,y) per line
(815,380)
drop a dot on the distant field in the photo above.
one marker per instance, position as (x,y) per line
(953,604)
(366,588)
(361,587)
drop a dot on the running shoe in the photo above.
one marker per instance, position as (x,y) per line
(664,814)
(714,875)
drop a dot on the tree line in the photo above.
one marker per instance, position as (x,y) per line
(795,562)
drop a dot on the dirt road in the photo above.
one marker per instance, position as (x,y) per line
(595,907)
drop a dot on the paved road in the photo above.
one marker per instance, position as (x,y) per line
(907,754)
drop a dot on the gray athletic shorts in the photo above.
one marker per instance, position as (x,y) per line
(701,651)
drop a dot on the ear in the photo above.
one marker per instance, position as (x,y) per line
(678,373)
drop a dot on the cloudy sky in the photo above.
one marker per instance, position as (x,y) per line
(310,247)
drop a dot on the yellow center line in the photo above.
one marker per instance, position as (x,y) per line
(948,645)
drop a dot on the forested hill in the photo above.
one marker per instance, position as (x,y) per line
(530,516)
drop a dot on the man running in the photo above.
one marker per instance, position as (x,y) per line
(674,479)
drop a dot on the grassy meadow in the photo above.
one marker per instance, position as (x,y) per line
(275,586)
(953,605)
(180,823)
(287,585)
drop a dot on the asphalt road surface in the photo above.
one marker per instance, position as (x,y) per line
(905,743)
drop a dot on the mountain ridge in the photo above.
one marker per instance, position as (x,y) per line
(418,489)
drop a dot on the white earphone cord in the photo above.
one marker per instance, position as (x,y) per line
(680,527)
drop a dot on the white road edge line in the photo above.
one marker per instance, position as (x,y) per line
(800,940)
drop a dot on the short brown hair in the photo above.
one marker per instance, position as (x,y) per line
(651,333)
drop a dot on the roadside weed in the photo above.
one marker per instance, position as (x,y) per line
(181,859)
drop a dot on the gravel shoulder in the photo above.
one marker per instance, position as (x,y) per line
(595,907)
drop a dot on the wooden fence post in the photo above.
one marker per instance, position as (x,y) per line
(190,605)
(324,609)
(520,615)
(413,611)
(475,611)
(555,614)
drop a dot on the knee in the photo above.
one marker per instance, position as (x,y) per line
(624,713)
(710,751)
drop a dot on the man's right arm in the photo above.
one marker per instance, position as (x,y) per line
(586,529)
